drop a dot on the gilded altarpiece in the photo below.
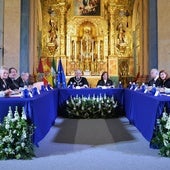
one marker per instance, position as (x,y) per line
(93,36)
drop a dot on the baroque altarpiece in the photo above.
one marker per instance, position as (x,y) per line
(90,35)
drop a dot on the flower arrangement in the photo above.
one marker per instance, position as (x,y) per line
(161,139)
(91,107)
(16,136)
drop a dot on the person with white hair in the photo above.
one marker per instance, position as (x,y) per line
(4,86)
(154,74)
(23,79)
(78,81)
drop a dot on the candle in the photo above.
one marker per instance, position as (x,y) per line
(99,50)
(92,50)
(75,50)
(81,48)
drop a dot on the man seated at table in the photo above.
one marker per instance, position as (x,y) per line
(105,82)
(78,81)
(154,74)
(12,79)
(24,80)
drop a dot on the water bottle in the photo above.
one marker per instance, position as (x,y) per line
(153,90)
(120,84)
(143,87)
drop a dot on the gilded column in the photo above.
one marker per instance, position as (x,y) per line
(111,36)
(62,28)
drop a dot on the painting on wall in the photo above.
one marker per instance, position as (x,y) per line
(87,7)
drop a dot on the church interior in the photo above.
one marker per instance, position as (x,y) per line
(126,38)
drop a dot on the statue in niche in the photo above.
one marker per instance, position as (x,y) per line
(124,68)
(53,31)
(86,46)
(121,38)
(87,41)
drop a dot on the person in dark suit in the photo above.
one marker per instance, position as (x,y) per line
(13,84)
(105,81)
(24,80)
(154,74)
(4,86)
(78,81)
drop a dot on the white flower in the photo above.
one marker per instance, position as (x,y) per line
(7,126)
(167,126)
(165,142)
(23,116)
(22,144)
(14,131)
(164,116)
(67,102)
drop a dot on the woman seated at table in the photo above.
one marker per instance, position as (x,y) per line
(165,81)
(78,81)
(4,86)
(105,82)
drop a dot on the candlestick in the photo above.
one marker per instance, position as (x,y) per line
(75,50)
(92,50)
(99,50)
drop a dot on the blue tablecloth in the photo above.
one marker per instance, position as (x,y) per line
(64,94)
(142,110)
(40,109)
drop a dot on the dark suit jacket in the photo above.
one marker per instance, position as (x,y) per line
(102,83)
(166,83)
(157,82)
(75,82)
(13,84)
(21,83)
(3,86)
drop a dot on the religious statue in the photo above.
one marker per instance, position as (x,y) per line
(52,38)
(121,38)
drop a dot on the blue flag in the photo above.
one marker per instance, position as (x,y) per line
(61,78)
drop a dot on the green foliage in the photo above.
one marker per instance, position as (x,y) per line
(161,137)
(16,137)
(91,107)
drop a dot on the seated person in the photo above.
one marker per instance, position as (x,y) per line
(12,79)
(24,80)
(78,80)
(105,81)
(165,81)
(154,74)
(4,86)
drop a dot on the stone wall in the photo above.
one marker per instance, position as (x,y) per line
(11,33)
(164,35)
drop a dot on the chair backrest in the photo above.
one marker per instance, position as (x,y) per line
(38,84)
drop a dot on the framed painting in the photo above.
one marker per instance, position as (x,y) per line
(86,7)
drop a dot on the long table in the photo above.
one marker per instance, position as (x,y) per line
(40,109)
(64,94)
(142,110)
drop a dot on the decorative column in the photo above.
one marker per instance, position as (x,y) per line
(99,50)
(111,39)
(75,52)
(24,37)
(62,7)
(1,32)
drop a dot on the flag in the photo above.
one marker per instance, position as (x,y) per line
(40,67)
(61,78)
(46,65)
(50,79)
(45,81)
(53,67)
(53,72)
